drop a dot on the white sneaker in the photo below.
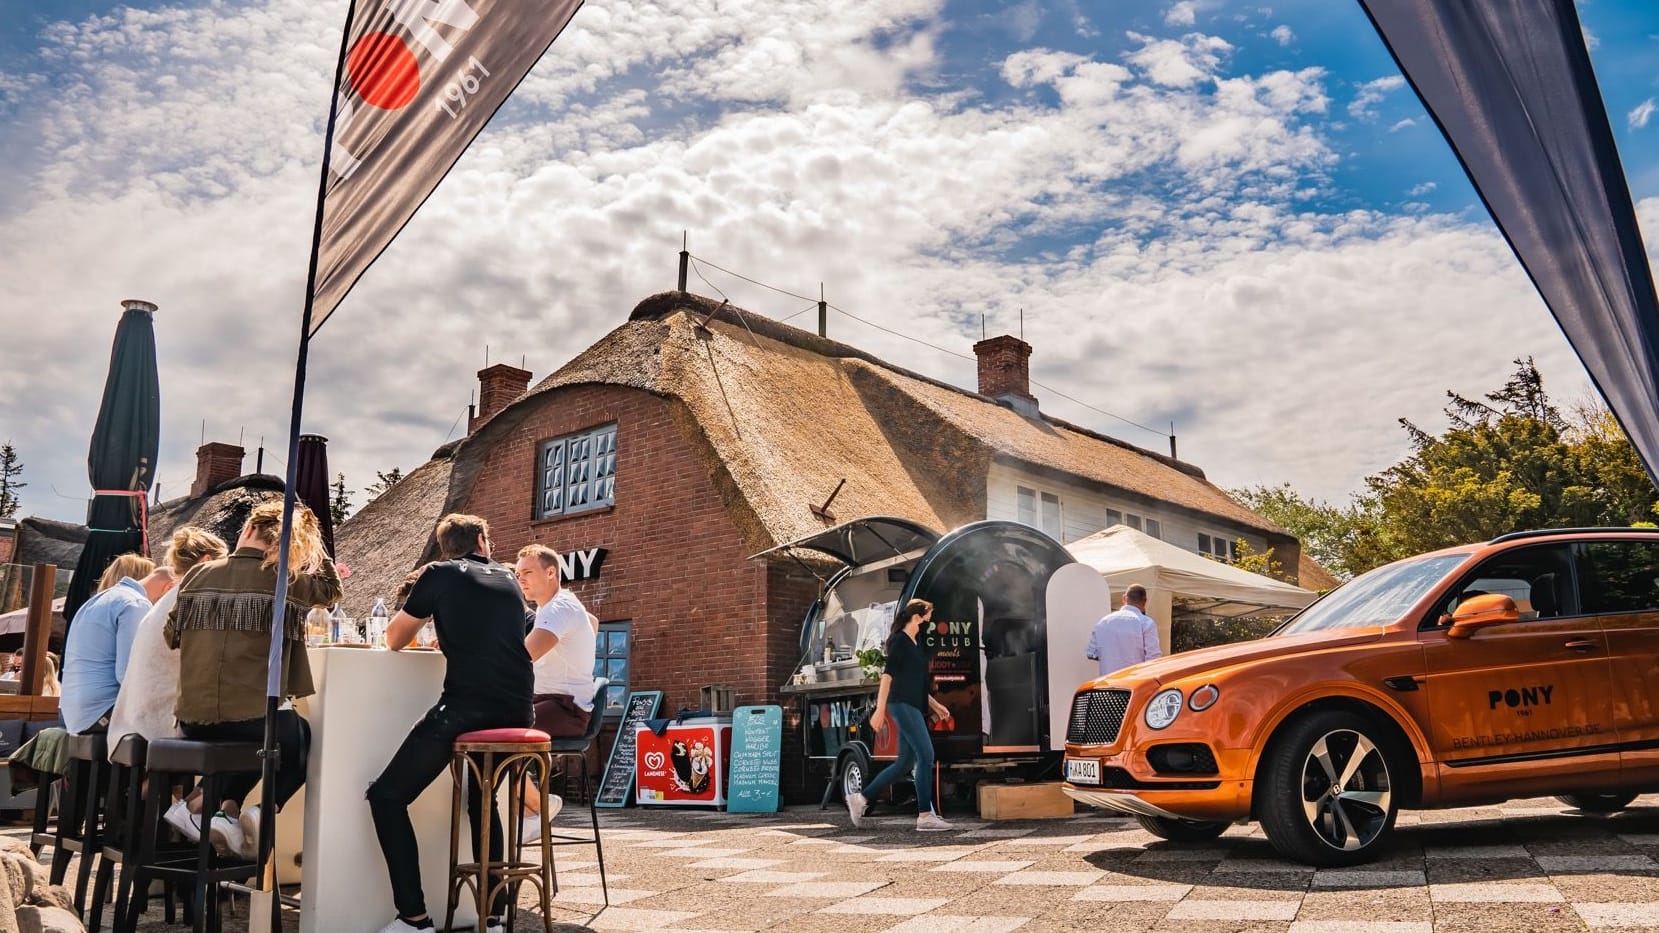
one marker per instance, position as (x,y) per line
(931,822)
(250,832)
(856,805)
(180,818)
(529,831)
(227,835)
(400,925)
(555,803)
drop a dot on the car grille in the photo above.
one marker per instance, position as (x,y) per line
(1096,717)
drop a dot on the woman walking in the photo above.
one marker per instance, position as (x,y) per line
(904,696)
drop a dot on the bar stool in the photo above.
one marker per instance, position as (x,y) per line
(493,758)
(166,762)
(80,811)
(123,808)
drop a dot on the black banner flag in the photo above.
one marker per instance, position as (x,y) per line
(419,81)
(1510,84)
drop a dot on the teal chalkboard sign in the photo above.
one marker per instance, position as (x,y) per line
(757,753)
(617,783)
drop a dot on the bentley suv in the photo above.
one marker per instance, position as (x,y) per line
(1523,666)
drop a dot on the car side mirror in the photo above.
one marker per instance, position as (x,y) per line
(1478,612)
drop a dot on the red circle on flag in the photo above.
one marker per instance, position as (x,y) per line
(383,71)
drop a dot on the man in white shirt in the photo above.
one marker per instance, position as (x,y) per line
(1125,637)
(562,643)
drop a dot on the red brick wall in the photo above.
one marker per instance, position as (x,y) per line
(677,566)
(8,544)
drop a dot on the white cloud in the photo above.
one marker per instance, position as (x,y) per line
(1371,93)
(1407,123)
(1184,13)
(1283,35)
(1181,63)
(1192,284)
(1640,116)
(1419,190)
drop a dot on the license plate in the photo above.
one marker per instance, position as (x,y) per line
(1083,771)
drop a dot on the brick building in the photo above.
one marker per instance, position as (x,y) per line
(686,440)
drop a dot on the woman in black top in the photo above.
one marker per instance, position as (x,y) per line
(904,696)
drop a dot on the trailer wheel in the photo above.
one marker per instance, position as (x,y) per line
(854,770)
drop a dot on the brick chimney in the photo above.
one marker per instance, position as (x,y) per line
(498,386)
(216,463)
(1005,372)
(8,540)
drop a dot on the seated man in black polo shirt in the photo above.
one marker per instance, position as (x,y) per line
(479,612)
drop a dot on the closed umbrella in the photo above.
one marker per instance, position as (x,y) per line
(121,460)
(311,484)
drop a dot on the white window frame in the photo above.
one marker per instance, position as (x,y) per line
(1038,494)
(1227,543)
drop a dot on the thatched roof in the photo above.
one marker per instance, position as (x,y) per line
(221,510)
(782,416)
(787,414)
(389,536)
(1311,575)
(44,541)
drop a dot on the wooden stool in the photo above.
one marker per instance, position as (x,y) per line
(492,758)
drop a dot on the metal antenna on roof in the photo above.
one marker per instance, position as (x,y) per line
(259,459)
(1022,323)
(522,360)
(823,312)
(204,431)
(486,356)
(982,327)
(685,257)
(1172,455)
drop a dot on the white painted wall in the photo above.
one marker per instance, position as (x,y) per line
(1083,510)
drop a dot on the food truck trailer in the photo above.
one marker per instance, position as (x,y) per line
(989,647)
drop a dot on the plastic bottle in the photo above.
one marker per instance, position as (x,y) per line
(379,619)
(337,625)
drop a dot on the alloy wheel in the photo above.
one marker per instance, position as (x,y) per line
(1346,792)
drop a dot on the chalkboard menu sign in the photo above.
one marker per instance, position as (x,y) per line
(757,753)
(617,784)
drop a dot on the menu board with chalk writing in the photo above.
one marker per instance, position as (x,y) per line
(757,754)
(617,784)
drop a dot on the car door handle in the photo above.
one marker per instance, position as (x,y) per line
(1581,644)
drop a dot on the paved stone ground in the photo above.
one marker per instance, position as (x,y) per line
(1526,866)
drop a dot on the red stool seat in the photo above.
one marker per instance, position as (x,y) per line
(504,736)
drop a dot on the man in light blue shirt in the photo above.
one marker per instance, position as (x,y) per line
(1125,637)
(100,642)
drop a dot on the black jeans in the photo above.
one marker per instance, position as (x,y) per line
(293,735)
(422,757)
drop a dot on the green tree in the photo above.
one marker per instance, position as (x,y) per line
(339,500)
(386,481)
(1327,532)
(10,469)
(1509,462)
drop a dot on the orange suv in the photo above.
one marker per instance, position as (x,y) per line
(1524,666)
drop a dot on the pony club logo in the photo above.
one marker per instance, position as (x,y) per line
(655,760)
(383,72)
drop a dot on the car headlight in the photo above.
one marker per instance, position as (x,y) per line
(1163,709)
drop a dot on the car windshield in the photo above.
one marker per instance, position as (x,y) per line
(1375,598)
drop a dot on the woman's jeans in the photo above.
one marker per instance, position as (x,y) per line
(915,753)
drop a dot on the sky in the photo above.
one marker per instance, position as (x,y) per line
(1230,217)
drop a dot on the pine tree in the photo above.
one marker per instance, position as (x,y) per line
(387,480)
(10,469)
(339,503)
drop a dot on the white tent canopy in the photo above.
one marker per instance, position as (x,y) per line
(1195,584)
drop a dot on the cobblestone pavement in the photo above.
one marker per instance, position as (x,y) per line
(1526,866)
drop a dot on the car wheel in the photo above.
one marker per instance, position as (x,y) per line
(1181,830)
(1327,791)
(855,772)
(1600,802)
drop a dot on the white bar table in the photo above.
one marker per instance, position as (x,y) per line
(365,704)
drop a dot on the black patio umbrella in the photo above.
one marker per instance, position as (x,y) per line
(311,483)
(121,461)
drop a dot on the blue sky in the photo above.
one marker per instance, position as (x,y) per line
(1233,216)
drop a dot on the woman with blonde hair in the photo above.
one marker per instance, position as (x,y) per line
(144,705)
(221,628)
(99,643)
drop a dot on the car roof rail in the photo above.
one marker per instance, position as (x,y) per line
(1545,532)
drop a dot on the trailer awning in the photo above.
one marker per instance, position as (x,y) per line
(864,540)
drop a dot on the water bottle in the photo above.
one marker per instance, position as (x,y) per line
(337,625)
(379,620)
